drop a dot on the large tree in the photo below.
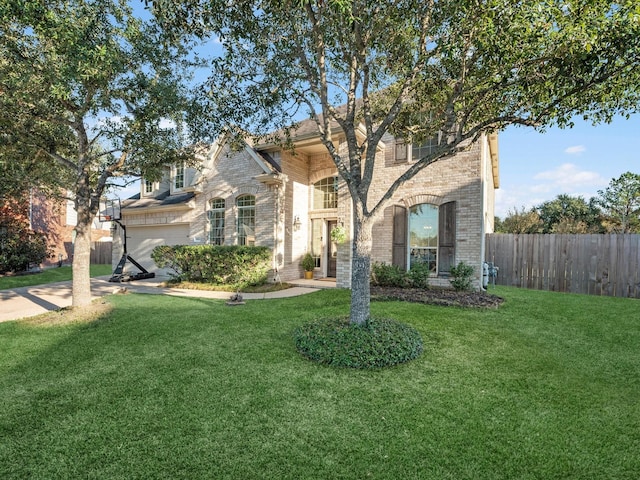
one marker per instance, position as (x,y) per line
(621,203)
(416,68)
(569,214)
(86,88)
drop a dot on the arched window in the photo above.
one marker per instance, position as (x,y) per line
(246,225)
(216,221)
(325,193)
(423,235)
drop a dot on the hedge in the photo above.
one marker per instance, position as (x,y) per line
(237,266)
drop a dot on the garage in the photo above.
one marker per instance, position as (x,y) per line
(142,240)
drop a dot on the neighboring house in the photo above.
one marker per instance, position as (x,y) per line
(266,195)
(57,219)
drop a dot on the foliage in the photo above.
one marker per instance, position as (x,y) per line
(523,221)
(462,277)
(20,246)
(339,343)
(621,203)
(88,90)
(338,234)
(232,265)
(308,263)
(569,214)
(385,275)
(412,68)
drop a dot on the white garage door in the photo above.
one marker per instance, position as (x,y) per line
(142,240)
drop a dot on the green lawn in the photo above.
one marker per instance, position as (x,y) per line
(50,275)
(546,387)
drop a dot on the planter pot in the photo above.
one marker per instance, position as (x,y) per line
(308,275)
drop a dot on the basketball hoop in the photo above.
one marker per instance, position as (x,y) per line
(109,210)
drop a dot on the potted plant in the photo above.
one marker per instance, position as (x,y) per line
(308,264)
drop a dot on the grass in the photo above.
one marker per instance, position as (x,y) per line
(50,275)
(264,288)
(545,387)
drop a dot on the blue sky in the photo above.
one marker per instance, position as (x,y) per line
(535,167)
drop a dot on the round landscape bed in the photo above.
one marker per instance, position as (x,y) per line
(379,343)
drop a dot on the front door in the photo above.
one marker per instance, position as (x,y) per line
(332,251)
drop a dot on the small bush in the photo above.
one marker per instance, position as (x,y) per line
(462,274)
(419,275)
(379,343)
(232,265)
(383,275)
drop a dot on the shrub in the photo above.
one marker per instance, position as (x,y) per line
(20,247)
(308,263)
(419,275)
(379,343)
(384,275)
(232,265)
(462,274)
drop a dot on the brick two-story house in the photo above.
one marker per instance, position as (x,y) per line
(290,201)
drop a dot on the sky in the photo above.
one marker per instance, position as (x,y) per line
(536,167)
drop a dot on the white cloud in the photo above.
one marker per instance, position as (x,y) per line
(567,178)
(569,175)
(575,150)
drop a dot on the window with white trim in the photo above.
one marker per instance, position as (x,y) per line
(325,193)
(148,186)
(215,214)
(178,177)
(246,224)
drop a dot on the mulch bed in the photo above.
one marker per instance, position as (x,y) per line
(437,296)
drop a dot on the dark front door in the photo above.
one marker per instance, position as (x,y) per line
(332,251)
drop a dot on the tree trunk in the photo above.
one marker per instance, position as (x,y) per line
(81,280)
(361,269)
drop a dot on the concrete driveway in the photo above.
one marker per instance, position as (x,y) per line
(29,301)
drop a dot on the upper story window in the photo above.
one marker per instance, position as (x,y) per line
(216,221)
(325,193)
(178,177)
(414,152)
(246,225)
(148,186)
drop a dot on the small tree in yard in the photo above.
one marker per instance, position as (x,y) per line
(87,89)
(415,68)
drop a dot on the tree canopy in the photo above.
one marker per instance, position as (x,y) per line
(415,68)
(620,202)
(87,89)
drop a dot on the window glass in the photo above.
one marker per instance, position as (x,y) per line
(216,221)
(148,186)
(178,179)
(425,148)
(423,236)
(325,193)
(246,225)
(316,241)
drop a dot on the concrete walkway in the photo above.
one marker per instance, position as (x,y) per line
(29,301)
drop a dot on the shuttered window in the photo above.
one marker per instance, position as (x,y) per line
(426,234)
(447,237)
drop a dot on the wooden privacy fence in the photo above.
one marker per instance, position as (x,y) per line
(596,264)
(101,253)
